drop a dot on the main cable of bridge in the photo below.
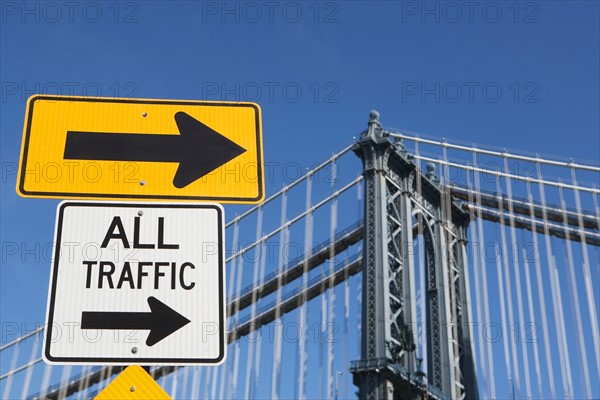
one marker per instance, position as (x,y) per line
(416,137)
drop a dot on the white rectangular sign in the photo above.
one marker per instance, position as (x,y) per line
(137,284)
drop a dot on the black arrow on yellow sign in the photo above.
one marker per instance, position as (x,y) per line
(198,149)
(162,320)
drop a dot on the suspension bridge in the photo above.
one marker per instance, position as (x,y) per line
(404,266)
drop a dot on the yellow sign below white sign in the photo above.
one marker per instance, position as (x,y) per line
(90,148)
(131,384)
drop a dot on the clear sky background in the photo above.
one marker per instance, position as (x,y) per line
(520,75)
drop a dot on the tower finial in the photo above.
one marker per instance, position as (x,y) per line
(374,131)
(374,117)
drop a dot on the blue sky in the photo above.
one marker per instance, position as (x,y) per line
(516,75)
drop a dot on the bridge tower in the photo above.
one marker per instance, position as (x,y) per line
(401,202)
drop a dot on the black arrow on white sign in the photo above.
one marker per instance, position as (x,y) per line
(162,320)
(198,149)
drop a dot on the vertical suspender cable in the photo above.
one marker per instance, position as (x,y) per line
(229,326)
(422,317)
(560,328)
(320,334)
(197,375)
(484,287)
(84,371)
(346,329)
(517,272)
(13,364)
(574,302)
(225,374)
(347,301)
(66,374)
(597,208)
(515,262)
(555,290)
(45,381)
(105,374)
(476,245)
(330,331)
(259,220)
(186,372)
(87,384)
(174,383)
(587,277)
(303,315)
(282,261)
(257,353)
(504,301)
(541,297)
(214,381)
(207,382)
(532,324)
(239,266)
(33,356)
(84,383)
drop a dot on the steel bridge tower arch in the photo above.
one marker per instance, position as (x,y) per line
(388,368)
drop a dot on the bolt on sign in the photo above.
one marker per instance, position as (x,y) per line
(137,284)
(108,148)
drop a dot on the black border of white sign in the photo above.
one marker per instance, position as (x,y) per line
(93,307)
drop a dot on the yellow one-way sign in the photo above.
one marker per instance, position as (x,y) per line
(89,147)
